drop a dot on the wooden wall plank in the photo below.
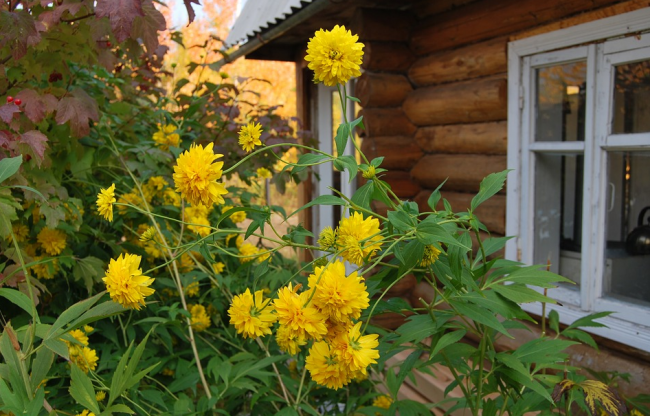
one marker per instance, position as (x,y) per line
(399,152)
(387,56)
(472,101)
(478,60)
(386,122)
(487,19)
(483,138)
(465,172)
(402,184)
(382,90)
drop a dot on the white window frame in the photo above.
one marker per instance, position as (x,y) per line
(602,44)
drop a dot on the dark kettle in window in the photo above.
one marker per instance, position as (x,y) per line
(638,241)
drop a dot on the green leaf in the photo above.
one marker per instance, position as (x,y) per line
(409,255)
(58,347)
(490,185)
(400,220)
(9,166)
(363,195)
(521,294)
(446,340)
(554,320)
(534,276)
(35,405)
(589,320)
(513,362)
(341,139)
(81,389)
(435,196)
(533,384)
(348,163)
(478,314)
(581,336)
(19,299)
(41,366)
(430,232)
(404,370)
(306,160)
(119,408)
(321,200)
(287,411)
(89,269)
(416,329)
(542,350)
(71,313)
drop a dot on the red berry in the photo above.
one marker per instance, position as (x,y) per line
(108,43)
(18,101)
(28,158)
(10,99)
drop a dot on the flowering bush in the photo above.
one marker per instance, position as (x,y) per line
(153,286)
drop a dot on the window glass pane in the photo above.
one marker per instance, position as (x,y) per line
(558,213)
(632,98)
(560,102)
(627,255)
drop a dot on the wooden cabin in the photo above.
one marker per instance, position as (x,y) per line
(556,90)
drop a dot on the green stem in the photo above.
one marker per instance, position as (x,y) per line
(27,277)
(479,387)
(265,148)
(302,382)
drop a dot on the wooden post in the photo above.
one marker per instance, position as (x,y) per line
(464,172)
(382,90)
(460,102)
(478,60)
(481,138)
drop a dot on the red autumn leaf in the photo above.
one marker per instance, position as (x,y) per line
(78,110)
(18,31)
(121,14)
(52,17)
(36,107)
(7,112)
(6,140)
(147,27)
(190,11)
(37,141)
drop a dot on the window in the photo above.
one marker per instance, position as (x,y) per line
(579,144)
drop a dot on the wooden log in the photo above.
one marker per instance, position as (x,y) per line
(401,183)
(390,320)
(382,25)
(478,60)
(624,7)
(399,152)
(465,172)
(492,212)
(387,56)
(382,90)
(403,287)
(430,8)
(461,102)
(488,19)
(479,138)
(386,122)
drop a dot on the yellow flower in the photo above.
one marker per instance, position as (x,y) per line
(324,367)
(85,413)
(430,256)
(251,316)
(105,201)
(249,136)
(200,319)
(125,283)
(334,56)
(20,231)
(86,359)
(148,235)
(302,320)
(52,241)
(218,267)
(131,198)
(196,176)
(355,351)
(88,329)
(327,238)
(192,289)
(198,216)
(47,269)
(154,186)
(100,395)
(335,329)
(382,401)
(237,217)
(186,264)
(166,137)
(370,172)
(248,252)
(264,173)
(289,341)
(170,197)
(358,237)
(337,296)
(168,372)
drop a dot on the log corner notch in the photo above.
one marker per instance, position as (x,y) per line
(382,90)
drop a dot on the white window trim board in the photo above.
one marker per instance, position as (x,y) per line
(534,52)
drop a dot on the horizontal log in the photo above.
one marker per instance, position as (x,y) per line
(381,24)
(387,56)
(403,287)
(386,122)
(401,183)
(430,8)
(399,152)
(492,212)
(478,138)
(382,90)
(479,60)
(487,19)
(390,320)
(464,172)
(624,7)
(472,101)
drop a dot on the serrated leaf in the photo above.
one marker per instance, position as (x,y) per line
(79,108)
(121,14)
(490,185)
(534,276)
(146,27)
(417,328)
(7,112)
(37,142)
(581,336)
(533,384)
(589,320)
(36,106)
(542,350)
(119,408)
(81,389)
(9,166)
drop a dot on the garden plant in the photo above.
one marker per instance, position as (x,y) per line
(138,276)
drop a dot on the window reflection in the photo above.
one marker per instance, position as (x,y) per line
(632,98)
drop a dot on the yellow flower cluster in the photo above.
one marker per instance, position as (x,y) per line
(382,401)
(166,136)
(249,136)
(200,319)
(125,282)
(324,314)
(264,173)
(358,238)
(105,201)
(51,241)
(196,174)
(334,56)
(197,216)
(85,413)
(237,217)
(80,354)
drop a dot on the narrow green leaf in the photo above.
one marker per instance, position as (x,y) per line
(490,185)
(18,298)
(513,362)
(581,336)
(534,276)
(11,400)
(478,314)
(543,350)
(435,196)
(35,405)
(341,139)
(363,195)
(73,312)
(58,347)
(589,320)
(9,166)
(321,200)
(533,384)
(448,339)
(430,232)
(119,408)
(81,389)
(400,220)
(41,366)
(521,294)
